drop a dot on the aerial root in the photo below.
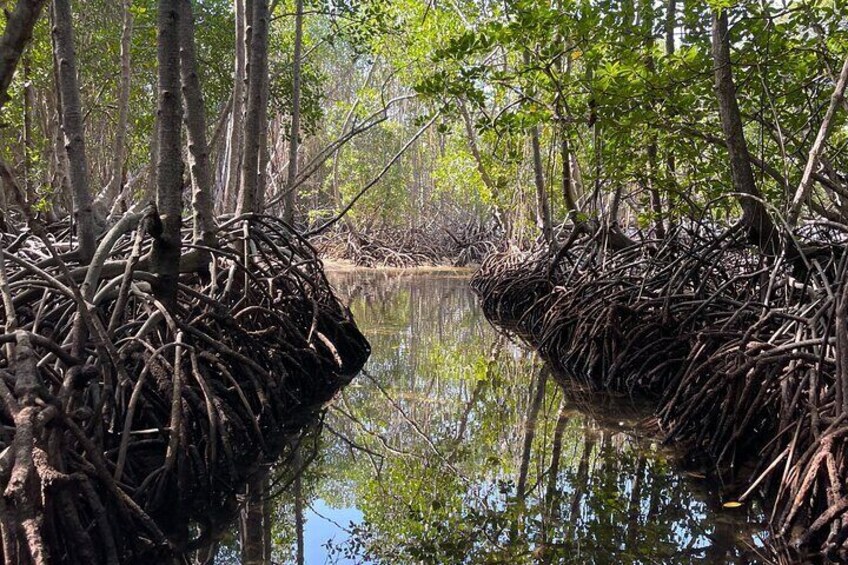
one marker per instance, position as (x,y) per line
(743,359)
(129,428)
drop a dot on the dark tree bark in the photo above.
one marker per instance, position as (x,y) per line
(556,454)
(551,510)
(195,122)
(18,32)
(165,260)
(254,522)
(256,111)
(530,432)
(634,504)
(299,518)
(670,21)
(582,481)
(72,127)
(290,201)
(755,218)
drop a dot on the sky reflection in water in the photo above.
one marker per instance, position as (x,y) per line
(421,460)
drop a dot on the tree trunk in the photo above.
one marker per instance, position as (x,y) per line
(543,212)
(116,182)
(195,122)
(670,165)
(264,150)
(551,498)
(59,157)
(582,481)
(634,504)
(165,260)
(290,200)
(10,183)
(647,24)
(18,32)
(256,111)
(72,127)
(818,146)
(29,148)
(543,209)
(530,432)
(653,191)
(236,141)
(597,153)
(299,519)
(153,180)
(670,21)
(254,522)
(567,183)
(481,166)
(755,217)
(562,117)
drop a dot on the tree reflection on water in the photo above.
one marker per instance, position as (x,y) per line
(456,446)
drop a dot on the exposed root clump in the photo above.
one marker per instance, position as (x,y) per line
(128,426)
(405,248)
(746,359)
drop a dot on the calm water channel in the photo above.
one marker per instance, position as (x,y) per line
(456,447)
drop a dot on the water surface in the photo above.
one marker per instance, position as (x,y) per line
(457,446)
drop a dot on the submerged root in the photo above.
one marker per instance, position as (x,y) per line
(747,362)
(128,427)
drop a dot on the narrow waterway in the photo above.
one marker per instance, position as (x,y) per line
(457,446)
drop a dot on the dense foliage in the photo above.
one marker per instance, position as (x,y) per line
(621,90)
(398,132)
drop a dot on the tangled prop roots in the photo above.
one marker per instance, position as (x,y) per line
(128,429)
(404,248)
(748,364)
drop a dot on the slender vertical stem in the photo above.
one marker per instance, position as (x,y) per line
(235,144)
(119,150)
(256,111)
(817,149)
(195,122)
(167,242)
(72,126)
(290,200)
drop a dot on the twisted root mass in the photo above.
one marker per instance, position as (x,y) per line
(746,358)
(128,426)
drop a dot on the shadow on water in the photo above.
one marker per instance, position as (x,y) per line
(456,446)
